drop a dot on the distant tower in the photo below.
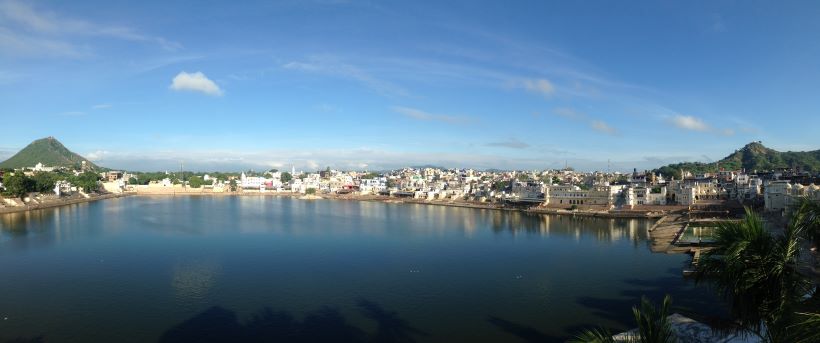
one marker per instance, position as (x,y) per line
(292,169)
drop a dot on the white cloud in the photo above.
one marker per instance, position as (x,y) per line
(97,155)
(539,86)
(422,115)
(603,127)
(101,106)
(196,82)
(689,123)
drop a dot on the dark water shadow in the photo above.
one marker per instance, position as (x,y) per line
(526,333)
(217,325)
(38,339)
(699,302)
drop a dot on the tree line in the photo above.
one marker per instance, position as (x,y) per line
(18,184)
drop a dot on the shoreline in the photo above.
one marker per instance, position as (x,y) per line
(644,214)
(58,203)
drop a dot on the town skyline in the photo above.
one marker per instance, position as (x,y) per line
(359,85)
(49,152)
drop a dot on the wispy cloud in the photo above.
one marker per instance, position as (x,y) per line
(689,123)
(25,45)
(30,31)
(596,124)
(692,123)
(603,127)
(716,23)
(101,106)
(333,66)
(196,82)
(539,86)
(427,116)
(510,143)
(567,112)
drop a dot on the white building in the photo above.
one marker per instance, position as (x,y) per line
(251,182)
(529,191)
(373,186)
(40,167)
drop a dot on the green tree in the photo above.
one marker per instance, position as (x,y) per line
(132,181)
(87,181)
(286,177)
(18,185)
(500,185)
(44,181)
(653,326)
(232,185)
(195,182)
(310,191)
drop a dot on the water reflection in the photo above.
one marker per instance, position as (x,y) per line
(601,229)
(46,227)
(214,215)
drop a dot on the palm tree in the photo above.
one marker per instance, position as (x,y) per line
(805,329)
(759,272)
(808,212)
(653,326)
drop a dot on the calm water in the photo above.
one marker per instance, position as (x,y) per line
(148,269)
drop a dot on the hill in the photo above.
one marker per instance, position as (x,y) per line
(48,151)
(752,157)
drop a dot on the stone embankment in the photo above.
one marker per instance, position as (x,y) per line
(17,205)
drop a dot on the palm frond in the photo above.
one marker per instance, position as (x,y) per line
(598,335)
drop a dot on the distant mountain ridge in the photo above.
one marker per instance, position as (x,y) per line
(48,151)
(754,156)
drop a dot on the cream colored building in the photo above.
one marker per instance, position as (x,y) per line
(781,196)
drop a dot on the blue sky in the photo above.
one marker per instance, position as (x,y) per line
(385,84)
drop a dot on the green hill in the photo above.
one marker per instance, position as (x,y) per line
(752,157)
(48,151)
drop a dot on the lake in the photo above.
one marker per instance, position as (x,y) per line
(247,268)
